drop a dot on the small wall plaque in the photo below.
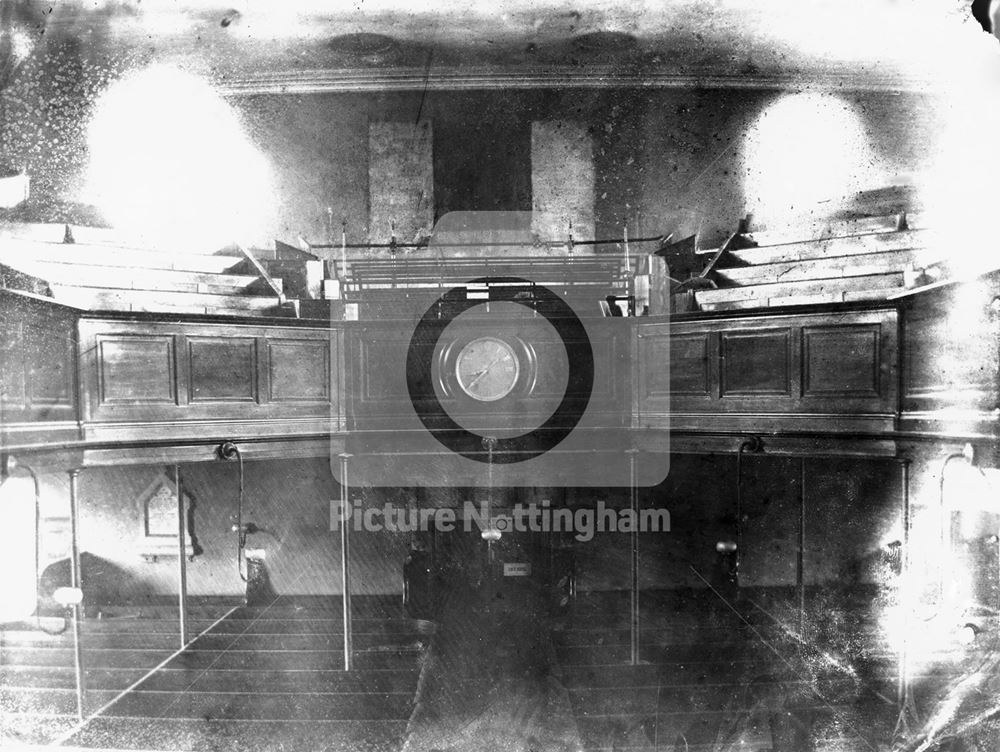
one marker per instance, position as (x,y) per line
(158,512)
(516,569)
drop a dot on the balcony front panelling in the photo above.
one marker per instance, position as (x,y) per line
(150,379)
(833,371)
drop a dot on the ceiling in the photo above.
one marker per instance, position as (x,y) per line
(314,45)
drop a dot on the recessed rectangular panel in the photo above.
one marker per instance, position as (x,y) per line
(50,367)
(136,370)
(688,366)
(13,391)
(841,361)
(654,354)
(756,363)
(300,370)
(222,369)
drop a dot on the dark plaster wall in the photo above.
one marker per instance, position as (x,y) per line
(668,160)
(290,499)
(850,507)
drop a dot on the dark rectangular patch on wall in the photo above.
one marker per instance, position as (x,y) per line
(379,381)
(482,160)
(400,183)
(136,370)
(841,362)
(688,364)
(222,370)
(300,370)
(757,363)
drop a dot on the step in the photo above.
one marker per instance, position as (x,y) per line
(855,245)
(115,658)
(799,300)
(98,658)
(834,267)
(698,730)
(95,299)
(261,706)
(671,675)
(329,626)
(305,642)
(16,640)
(212,679)
(869,287)
(401,680)
(378,609)
(295,660)
(723,656)
(54,232)
(122,278)
(80,254)
(222,735)
(686,700)
(64,677)
(834,230)
(213,641)
(703,638)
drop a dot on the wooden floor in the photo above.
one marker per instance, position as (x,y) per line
(708,677)
(711,679)
(258,679)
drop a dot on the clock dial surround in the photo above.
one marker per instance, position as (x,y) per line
(487,369)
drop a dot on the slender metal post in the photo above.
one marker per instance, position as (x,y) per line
(801,560)
(181,556)
(902,689)
(634,605)
(345,562)
(74,574)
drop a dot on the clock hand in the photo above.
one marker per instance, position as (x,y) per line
(480,374)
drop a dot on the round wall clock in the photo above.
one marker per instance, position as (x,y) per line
(487,369)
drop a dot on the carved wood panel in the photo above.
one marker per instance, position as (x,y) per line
(830,371)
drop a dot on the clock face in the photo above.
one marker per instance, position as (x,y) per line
(487,369)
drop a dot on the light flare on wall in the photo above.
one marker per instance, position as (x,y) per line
(17,554)
(962,164)
(803,153)
(171,165)
(947,588)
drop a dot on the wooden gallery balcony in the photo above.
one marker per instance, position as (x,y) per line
(94,369)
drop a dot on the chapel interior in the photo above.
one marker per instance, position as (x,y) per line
(708,288)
